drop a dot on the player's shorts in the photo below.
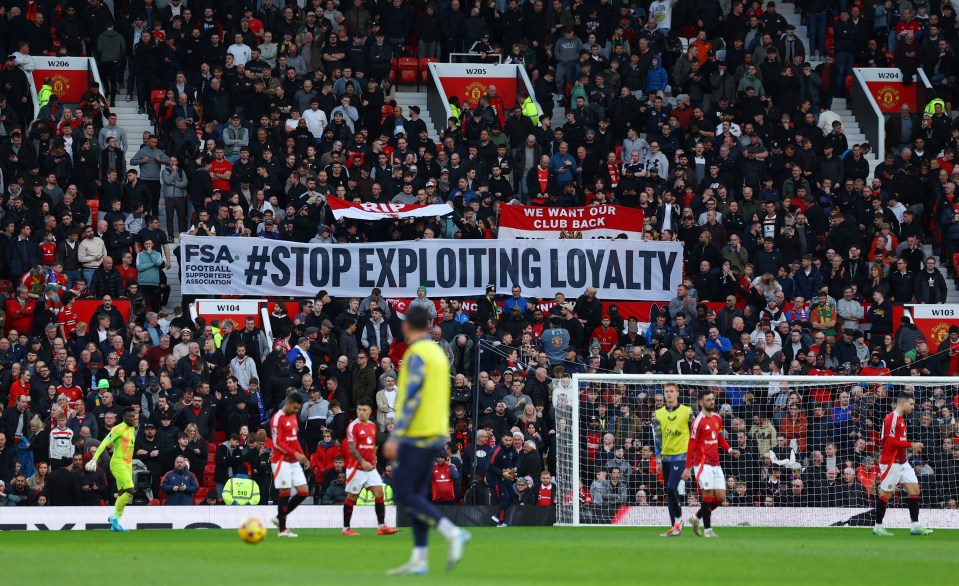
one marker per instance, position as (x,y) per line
(357,480)
(892,475)
(710,477)
(287,475)
(673,473)
(123,475)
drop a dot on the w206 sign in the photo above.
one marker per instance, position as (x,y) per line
(626,270)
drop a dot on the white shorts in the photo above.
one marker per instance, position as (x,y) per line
(287,475)
(357,480)
(710,477)
(892,475)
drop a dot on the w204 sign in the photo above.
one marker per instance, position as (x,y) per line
(627,270)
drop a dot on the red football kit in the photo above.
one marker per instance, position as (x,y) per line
(893,440)
(705,439)
(363,437)
(286,445)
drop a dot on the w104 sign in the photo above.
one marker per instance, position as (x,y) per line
(599,221)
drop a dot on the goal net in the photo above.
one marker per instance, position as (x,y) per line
(809,449)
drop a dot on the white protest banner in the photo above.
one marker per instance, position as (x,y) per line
(627,270)
(600,221)
(384,211)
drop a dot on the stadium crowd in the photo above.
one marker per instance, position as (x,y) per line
(268,109)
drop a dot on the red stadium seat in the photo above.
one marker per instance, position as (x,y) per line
(387,111)
(619,154)
(208,474)
(393,66)
(154,503)
(408,69)
(690,31)
(200,495)
(94,205)
(425,67)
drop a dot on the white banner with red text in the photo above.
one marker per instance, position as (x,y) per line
(600,221)
(384,211)
(629,270)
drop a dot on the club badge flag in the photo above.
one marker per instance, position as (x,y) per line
(599,221)
(629,270)
(384,211)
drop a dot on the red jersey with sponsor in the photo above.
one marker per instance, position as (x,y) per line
(74,393)
(607,338)
(363,436)
(67,318)
(545,494)
(705,439)
(285,429)
(220,168)
(894,442)
(442,489)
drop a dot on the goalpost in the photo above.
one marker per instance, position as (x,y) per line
(809,449)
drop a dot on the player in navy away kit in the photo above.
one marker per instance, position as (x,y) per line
(422,429)
(500,473)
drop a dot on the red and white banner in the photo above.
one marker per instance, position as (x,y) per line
(470,81)
(70,76)
(886,87)
(933,320)
(601,221)
(384,211)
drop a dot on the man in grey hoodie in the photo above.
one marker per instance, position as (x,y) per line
(151,160)
(566,50)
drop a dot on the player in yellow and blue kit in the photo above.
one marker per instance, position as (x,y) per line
(422,429)
(121,438)
(671,436)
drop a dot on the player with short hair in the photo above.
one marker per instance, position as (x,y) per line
(671,438)
(705,440)
(361,469)
(422,429)
(893,467)
(122,438)
(287,461)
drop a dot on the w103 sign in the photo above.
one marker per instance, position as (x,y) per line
(599,221)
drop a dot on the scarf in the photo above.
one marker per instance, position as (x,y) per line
(614,175)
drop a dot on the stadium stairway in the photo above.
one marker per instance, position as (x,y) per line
(135,125)
(952,292)
(405,99)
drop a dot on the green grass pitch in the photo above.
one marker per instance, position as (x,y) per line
(542,555)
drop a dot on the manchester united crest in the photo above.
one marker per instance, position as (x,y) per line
(474,91)
(61,84)
(888,97)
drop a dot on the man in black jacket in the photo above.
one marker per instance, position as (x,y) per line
(229,462)
(106,280)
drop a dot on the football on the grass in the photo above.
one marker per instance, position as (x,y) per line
(252,530)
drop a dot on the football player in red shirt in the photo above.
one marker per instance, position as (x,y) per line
(287,461)
(893,467)
(361,469)
(705,440)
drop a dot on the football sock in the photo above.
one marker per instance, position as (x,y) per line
(913,502)
(295,501)
(447,529)
(675,510)
(122,501)
(282,508)
(380,507)
(347,513)
(420,555)
(881,505)
(706,512)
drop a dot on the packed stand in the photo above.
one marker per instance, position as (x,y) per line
(263,111)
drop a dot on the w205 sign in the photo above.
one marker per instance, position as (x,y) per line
(626,270)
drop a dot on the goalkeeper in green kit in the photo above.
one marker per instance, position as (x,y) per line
(121,437)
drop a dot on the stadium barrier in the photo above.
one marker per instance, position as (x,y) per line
(197,517)
(479,516)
